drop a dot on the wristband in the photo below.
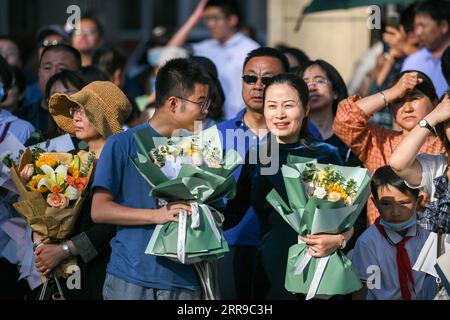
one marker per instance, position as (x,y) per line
(386,104)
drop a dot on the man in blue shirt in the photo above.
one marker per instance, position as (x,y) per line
(246,130)
(432,27)
(121,195)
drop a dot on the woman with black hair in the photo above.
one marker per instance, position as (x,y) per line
(411,98)
(326,90)
(285,111)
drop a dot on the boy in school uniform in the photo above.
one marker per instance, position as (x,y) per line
(385,253)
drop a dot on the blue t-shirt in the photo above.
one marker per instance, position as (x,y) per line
(116,173)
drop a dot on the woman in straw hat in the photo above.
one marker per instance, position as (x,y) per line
(91,115)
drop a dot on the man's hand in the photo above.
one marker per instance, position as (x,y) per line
(170,212)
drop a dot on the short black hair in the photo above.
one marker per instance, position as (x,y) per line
(66,77)
(64,47)
(229,7)
(92,73)
(337,82)
(216,93)
(298,54)
(268,52)
(446,65)
(108,60)
(18,79)
(438,10)
(5,74)
(407,18)
(385,177)
(178,78)
(426,86)
(5,77)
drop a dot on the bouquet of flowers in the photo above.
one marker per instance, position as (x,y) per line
(52,187)
(321,199)
(191,169)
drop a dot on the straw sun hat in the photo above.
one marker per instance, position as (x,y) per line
(105,105)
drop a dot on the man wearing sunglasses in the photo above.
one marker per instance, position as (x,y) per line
(227,48)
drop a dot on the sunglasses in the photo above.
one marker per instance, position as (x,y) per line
(248,79)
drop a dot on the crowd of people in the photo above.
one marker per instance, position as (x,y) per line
(395,122)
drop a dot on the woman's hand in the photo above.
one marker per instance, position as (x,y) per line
(396,39)
(406,84)
(322,245)
(48,257)
(441,113)
(169,212)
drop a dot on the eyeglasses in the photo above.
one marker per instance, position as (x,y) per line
(204,105)
(74,110)
(248,79)
(317,82)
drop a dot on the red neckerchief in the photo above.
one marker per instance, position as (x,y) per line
(403,264)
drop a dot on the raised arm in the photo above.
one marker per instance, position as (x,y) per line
(106,210)
(378,101)
(181,36)
(403,161)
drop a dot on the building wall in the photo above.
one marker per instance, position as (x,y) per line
(338,36)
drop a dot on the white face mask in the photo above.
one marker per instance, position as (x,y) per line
(399,226)
(153,56)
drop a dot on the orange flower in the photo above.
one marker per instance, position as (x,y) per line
(46,160)
(78,183)
(74,172)
(32,185)
(336,187)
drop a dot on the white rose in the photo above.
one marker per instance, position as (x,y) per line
(320,193)
(197,160)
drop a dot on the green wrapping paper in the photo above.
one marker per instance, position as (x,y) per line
(201,187)
(318,277)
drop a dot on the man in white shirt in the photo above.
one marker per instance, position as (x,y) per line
(227,48)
